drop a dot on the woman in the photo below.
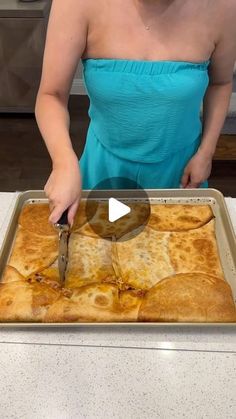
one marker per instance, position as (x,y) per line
(147,66)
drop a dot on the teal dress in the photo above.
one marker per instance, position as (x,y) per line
(145,120)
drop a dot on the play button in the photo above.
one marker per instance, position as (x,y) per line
(116,209)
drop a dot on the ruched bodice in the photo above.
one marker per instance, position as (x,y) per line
(144,111)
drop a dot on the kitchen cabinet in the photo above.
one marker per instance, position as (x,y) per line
(22,39)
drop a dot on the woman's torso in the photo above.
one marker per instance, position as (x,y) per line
(146,86)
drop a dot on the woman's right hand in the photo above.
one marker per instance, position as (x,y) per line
(63,189)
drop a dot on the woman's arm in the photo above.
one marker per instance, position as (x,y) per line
(65,44)
(216,104)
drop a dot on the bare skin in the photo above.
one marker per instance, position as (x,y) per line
(180,30)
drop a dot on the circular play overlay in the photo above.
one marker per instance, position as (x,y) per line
(115,217)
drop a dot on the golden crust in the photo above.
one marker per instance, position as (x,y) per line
(95,303)
(194,297)
(100,226)
(12,275)
(130,302)
(34,218)
(195,250)
(87,230)
(143,260)
(24,302)
(178,217)
(85,212)
(33,253)
(90,260)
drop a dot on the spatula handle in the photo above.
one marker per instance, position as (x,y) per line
(64,218)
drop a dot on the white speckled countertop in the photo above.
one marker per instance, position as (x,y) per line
(116,373)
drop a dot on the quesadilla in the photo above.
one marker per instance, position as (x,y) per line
(84,213)
(32,252)
(191,297)
(25,302)
(94,303)
(167,270)
(143,260)
(90,260)
(195,251)
(99,224)
(34,218)
(10,274)
(178,217)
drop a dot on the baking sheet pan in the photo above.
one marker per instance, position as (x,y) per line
(226,239)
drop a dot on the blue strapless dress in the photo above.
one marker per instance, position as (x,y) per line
(145,120)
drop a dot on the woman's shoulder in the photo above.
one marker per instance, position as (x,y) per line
(228,19)
(221,16)
(225,11)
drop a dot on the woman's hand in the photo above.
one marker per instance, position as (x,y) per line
(63,189)
(197,170)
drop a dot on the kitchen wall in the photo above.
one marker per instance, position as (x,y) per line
(78,72)
(78,86)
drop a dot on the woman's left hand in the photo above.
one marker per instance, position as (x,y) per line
(197,170)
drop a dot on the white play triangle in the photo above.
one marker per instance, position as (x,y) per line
(117,210)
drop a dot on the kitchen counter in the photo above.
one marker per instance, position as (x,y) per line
(114,372)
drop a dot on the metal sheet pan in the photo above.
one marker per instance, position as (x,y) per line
(226,239)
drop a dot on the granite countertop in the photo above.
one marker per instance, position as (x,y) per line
(117,373)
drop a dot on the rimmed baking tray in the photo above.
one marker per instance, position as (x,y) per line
(226,239)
